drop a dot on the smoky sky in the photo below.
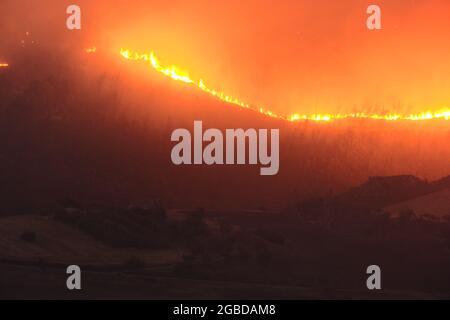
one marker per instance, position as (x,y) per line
(289,56)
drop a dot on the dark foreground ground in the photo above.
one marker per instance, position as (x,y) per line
(319,249)
(32,282)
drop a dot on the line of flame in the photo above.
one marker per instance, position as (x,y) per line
(4,65)
(178,75)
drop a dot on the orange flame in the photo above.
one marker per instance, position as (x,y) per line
(4,65)
(91,50)
(178,75)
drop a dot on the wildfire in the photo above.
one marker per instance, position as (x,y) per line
(177,74)
(4,65)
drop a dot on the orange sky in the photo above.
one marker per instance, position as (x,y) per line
(289,56)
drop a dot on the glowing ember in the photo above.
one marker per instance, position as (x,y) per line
(178,75)
(91,50)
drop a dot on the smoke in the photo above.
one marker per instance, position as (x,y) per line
(291,56)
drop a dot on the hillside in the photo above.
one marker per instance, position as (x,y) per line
(98,129)
(434,205)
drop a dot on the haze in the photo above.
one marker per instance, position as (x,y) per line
(292,56)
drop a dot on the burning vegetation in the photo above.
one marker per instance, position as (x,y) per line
(178,74)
